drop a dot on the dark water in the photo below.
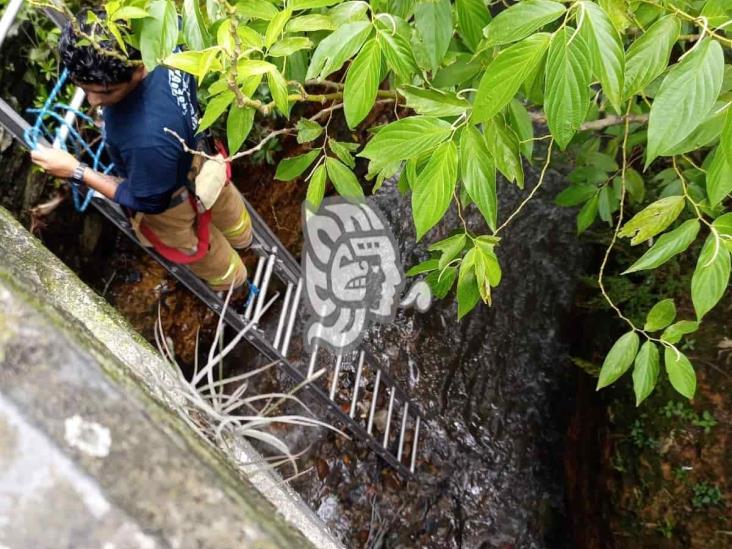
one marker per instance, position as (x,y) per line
(497,385)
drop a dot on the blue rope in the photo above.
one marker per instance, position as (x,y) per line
(53,111)
(253,292)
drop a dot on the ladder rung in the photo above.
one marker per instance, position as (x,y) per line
(283,316)
(414,444)
(313,359)
(265,284)
(336,373)
(359,370)
(9,15)
(374,397)
(388,417)
(293,315)
(255,281)
(403,430)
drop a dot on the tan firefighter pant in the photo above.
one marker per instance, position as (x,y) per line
(230,228)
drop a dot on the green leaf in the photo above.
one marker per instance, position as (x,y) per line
(705,133)
(362,82)
(450,248)
(290,168)
(309,23)
(567,91)
(617,11)
(343,179)
(693,84)
(424,267)
(675,332)
(349,12)
(195,29)
(619,359)
(276,26)
(668,245)
(434,23)
(587,213)
(719,173)
(433,102)
(256,9)
(472,16)
(711,276)
(635,185)
(404,139)
(238,126)
(504,146)
(187,61)
(653,219)
(468,293)
(462,70)
(506,73)
(717,12)
(308,4)
(254,67)
(723,225)
(159,32)
(607,203)
(680,372)
(440,282)
(521,20)
(250,38)
(130,12)
(337,47)
(645,372)
(648,56)
(215,108)
(574,195)
(288,46)
(607,50)
(661,315)
(398,54)
(478,173)
(316,187)
(342,152)
(434,188)
(521,123)
(308,130)
(278,88)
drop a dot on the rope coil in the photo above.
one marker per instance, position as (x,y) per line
(64,134)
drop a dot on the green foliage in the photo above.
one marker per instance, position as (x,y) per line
(642,108)
(707,495)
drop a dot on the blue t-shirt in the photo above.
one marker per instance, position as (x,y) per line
(151,162)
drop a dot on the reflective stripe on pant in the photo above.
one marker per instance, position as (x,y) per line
(229,215)
(221,266)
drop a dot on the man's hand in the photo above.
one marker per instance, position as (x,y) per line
(56,162)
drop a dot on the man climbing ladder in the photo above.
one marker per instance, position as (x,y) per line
(187,209)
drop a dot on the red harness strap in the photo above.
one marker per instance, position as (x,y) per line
(203,221)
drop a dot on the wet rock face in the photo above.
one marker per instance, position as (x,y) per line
(495,385)
(496,380)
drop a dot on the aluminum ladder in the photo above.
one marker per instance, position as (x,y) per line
(385,422)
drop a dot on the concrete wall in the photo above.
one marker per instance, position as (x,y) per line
(93,451)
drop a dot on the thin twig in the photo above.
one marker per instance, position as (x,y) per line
(533,191)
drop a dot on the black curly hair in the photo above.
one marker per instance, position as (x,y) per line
(88,64)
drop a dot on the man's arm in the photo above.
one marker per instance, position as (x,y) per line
(61,164)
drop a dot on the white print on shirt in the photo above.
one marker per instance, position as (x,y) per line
(181,90)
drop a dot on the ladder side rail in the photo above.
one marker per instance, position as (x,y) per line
(259,342)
